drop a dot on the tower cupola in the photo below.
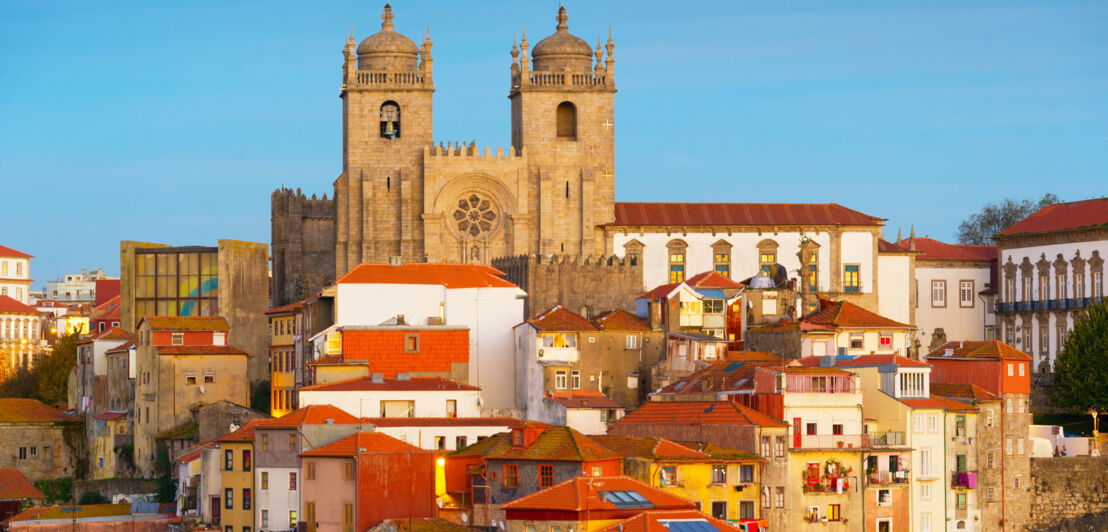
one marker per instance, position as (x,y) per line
(387,49)
(562,51)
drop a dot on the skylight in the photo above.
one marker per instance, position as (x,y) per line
(690,525)
(626,499)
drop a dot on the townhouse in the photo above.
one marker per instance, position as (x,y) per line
(588,504)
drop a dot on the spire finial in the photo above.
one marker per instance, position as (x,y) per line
(562,18)
(898,238)
(912,238)
(523,41)
(386,17)
(515,49)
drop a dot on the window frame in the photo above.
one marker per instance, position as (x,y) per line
(938,293)
(963,302)
(510,476)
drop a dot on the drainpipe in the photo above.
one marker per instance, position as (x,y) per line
(1003,449)
(946,467)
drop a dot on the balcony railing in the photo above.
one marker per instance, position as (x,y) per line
(887,439)
(1049,304)
(888,477)
(963,479)
(407,78)
(830,441)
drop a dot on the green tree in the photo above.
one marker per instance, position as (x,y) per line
(979,228)
(260,400)
(93,497)
(19,384)
(1081,371)
(52,371)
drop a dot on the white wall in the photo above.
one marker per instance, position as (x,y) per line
(959,323)
(372,304)
(424,437)
(894,286)
(858,248)
(586,421)
(278,499)
(368,403)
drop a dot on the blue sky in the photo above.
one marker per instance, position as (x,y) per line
(173,121)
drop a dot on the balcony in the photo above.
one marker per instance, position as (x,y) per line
(884,478)
(887,439)
(828,441)
(963,479)
(1050,304)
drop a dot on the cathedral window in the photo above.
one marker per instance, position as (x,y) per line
(676,250)
(390,120)
(474,216)
(567,121)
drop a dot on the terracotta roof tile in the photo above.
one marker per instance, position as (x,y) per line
(952,404)
(884,246)
(444,421)
(728,375)
(847,361)
(558,318)
(651,448)
(924,403)
(366,384)
(20,410)
(424,524)
(13,306)
(844,314)
(697,413)
(363,442)
(978,350)
(187,323)
(200,350)
(115,333)
(711,279)
(311,415)
(658,521)
(561,444)
(583,494)
(108,310)
(122,348)
(244,433)
(1063,216)
(583,399)
(932,249)
(13,485)
(738,214)
(43,513)
(285,309)
(621,320)
(448,275)
(961,391)
(6,251)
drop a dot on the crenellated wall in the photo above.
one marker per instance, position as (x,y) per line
(600,283)
(303,243)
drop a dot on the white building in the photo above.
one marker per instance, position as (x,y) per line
(75,287)
(443,433)
(954,283)
(20,335)
(15,274)
(376,396)
(469,295)
(830,249)
(1051,268)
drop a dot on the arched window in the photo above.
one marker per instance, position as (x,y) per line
(567,121)
(676,249)
(390,120)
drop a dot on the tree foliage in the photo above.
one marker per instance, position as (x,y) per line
(979,228)
(93,497)
(260,400)
(48,380)
(1081,371)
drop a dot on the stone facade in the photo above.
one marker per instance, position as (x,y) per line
(303,240)
(402,195)
(583,284)
(42,450)
(1065,489)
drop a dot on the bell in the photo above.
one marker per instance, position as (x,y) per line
(388,129)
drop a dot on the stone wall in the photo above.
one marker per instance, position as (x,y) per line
(42,450)
(785,344)
(1066,489)
(599,283)
(302,234)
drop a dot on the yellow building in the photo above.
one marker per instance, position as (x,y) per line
(285,360)
(724,482)
(111,432)
(236,473)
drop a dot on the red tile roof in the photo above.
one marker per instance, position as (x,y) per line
(621,320)
(200,350)
(978,350)
(311,415)
(561,444)
(183,323)
(20,410)
(697,413)
(583,494)
(884,246)
(953,405)
(558,318)
(121,348)
(931,249)
(847,361)
(114,333)
(962,391)
(1063,216)
(923,403)
(13,485)
(366,384)
(244,433)
(711,279)
(727,375)
(658,520)
(747,214)
(107,310)
(651,448)
(444,421)
(109,415)
(12,306)
(448,275)
(6,251)
(844,314)
(363,442)
(583,399)
(285,309)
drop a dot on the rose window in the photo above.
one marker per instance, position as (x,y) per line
(475,216)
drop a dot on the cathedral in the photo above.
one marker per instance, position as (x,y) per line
(402,195)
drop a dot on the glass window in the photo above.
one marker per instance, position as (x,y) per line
(560,379)
(511,476)
(546,476)
(851,279)
(719,474)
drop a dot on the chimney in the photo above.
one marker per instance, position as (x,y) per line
(377,378)
(395,261)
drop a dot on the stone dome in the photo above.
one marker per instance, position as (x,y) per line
(562,50)
(387,49)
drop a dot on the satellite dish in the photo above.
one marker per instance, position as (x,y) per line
(465,518)
(502,525)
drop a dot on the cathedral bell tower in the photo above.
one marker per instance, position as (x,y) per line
(563,114)
(386,124)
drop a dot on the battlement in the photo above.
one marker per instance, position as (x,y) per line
(598,261)
(593,281)
(470,150)
(286,201)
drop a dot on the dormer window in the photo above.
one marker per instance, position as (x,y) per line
(219,338)
(517,437)
(178,338)
(390,120)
